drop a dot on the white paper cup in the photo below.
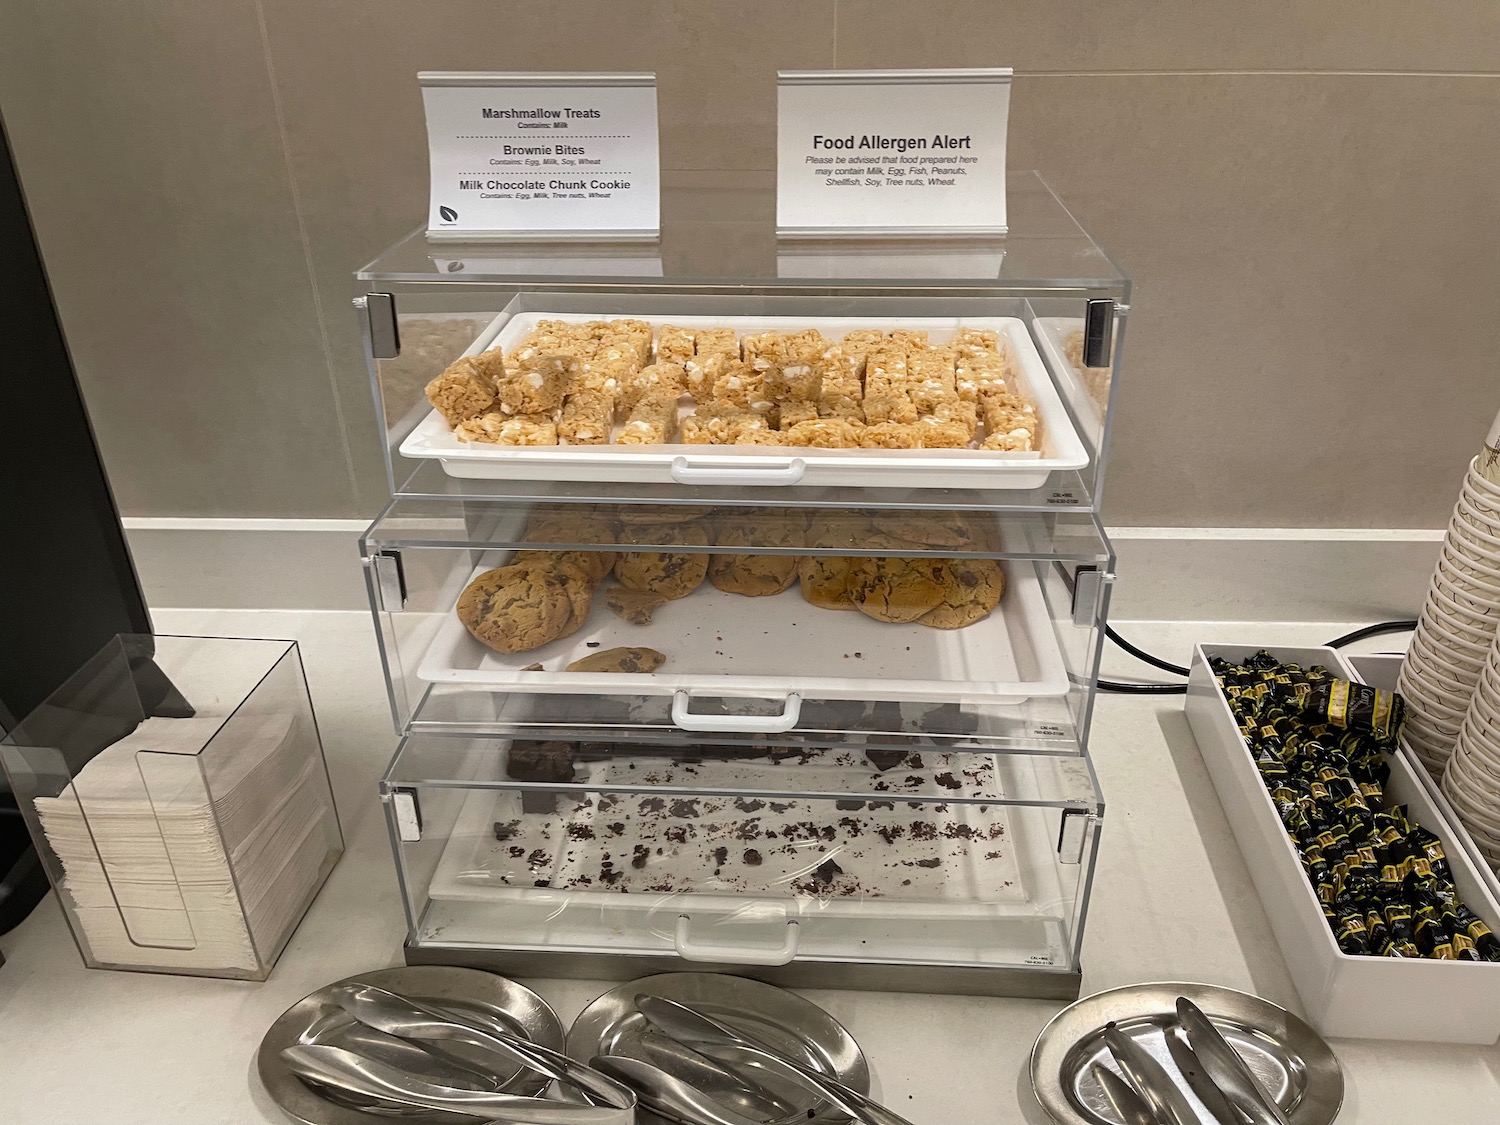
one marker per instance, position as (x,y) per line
(1439,681)
(1475,621)
(1450,657)
(1440,632)
(1476,480)
(1473,540)
(1477,522)
(1474,796)
(1468,574)
(1433,708)
(1424,663)
(1465,593)
(1475,790)
(1485,505)
(1443,698)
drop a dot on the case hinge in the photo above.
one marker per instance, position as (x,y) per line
(1072,834)
(408,811)
(1098,331)
(1089,583)
(377,316)
(390,580)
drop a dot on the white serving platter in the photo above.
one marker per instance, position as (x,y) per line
(1062,449)
(778,648)
(1343,995)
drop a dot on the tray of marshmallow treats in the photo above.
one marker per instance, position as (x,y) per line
(931,402)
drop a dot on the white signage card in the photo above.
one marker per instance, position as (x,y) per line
(542,156)
(893,152)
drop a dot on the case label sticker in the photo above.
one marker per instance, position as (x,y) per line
(542,155)
(891,151)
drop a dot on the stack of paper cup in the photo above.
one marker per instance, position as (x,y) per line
(1458,624)
(1472,780)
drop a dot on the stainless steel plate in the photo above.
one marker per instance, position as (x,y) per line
(1291,1060)
(492,999)
(800,1029)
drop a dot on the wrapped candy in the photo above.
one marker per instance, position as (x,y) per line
(1319,744)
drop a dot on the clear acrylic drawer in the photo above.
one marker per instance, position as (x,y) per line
(1055,300)
(603,858)
(745,643)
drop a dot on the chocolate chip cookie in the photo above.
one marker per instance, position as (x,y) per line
(756,576)
(672,575)
(524,606)
(620,660)
(972,591)
(894,589)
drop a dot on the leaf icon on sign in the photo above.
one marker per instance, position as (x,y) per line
(448,214)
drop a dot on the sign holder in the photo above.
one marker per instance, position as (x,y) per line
(518,157)
(891,153)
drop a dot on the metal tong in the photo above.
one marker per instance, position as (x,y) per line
(746,1051)
(1213,1069)
(344,1070)
(411,1019)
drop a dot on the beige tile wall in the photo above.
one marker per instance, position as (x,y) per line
(1304,193)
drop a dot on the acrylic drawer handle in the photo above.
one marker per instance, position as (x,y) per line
(736,724)
(685,472)
(734,954)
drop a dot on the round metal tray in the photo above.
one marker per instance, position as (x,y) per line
(491,999)
(612,1025)
(1291,1060)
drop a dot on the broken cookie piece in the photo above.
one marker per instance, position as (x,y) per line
(620,660)
(635,606)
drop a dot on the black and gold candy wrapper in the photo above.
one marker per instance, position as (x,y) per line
(1320,745)
(1355,707)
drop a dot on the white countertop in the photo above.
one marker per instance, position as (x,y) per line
(1172,900)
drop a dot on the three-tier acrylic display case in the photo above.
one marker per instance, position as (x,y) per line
(811,704)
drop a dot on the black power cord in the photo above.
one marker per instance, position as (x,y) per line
(1177,670)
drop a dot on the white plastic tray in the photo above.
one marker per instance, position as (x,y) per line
(1356,997)
(969,877)
(722,644)
(754,465)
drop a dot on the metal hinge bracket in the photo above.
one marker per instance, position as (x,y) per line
(408,812)
(1089,583)
(1098,331)
(390,580)
(377,316)
(1072,834)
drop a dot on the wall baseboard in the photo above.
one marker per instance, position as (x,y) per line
(1175,573)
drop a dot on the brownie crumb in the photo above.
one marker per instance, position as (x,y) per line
(685,808)
(752,857)
(504,830)
(948,781)
(580,832)
(933,862)
(849,806)
(826,872)
(721,856)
